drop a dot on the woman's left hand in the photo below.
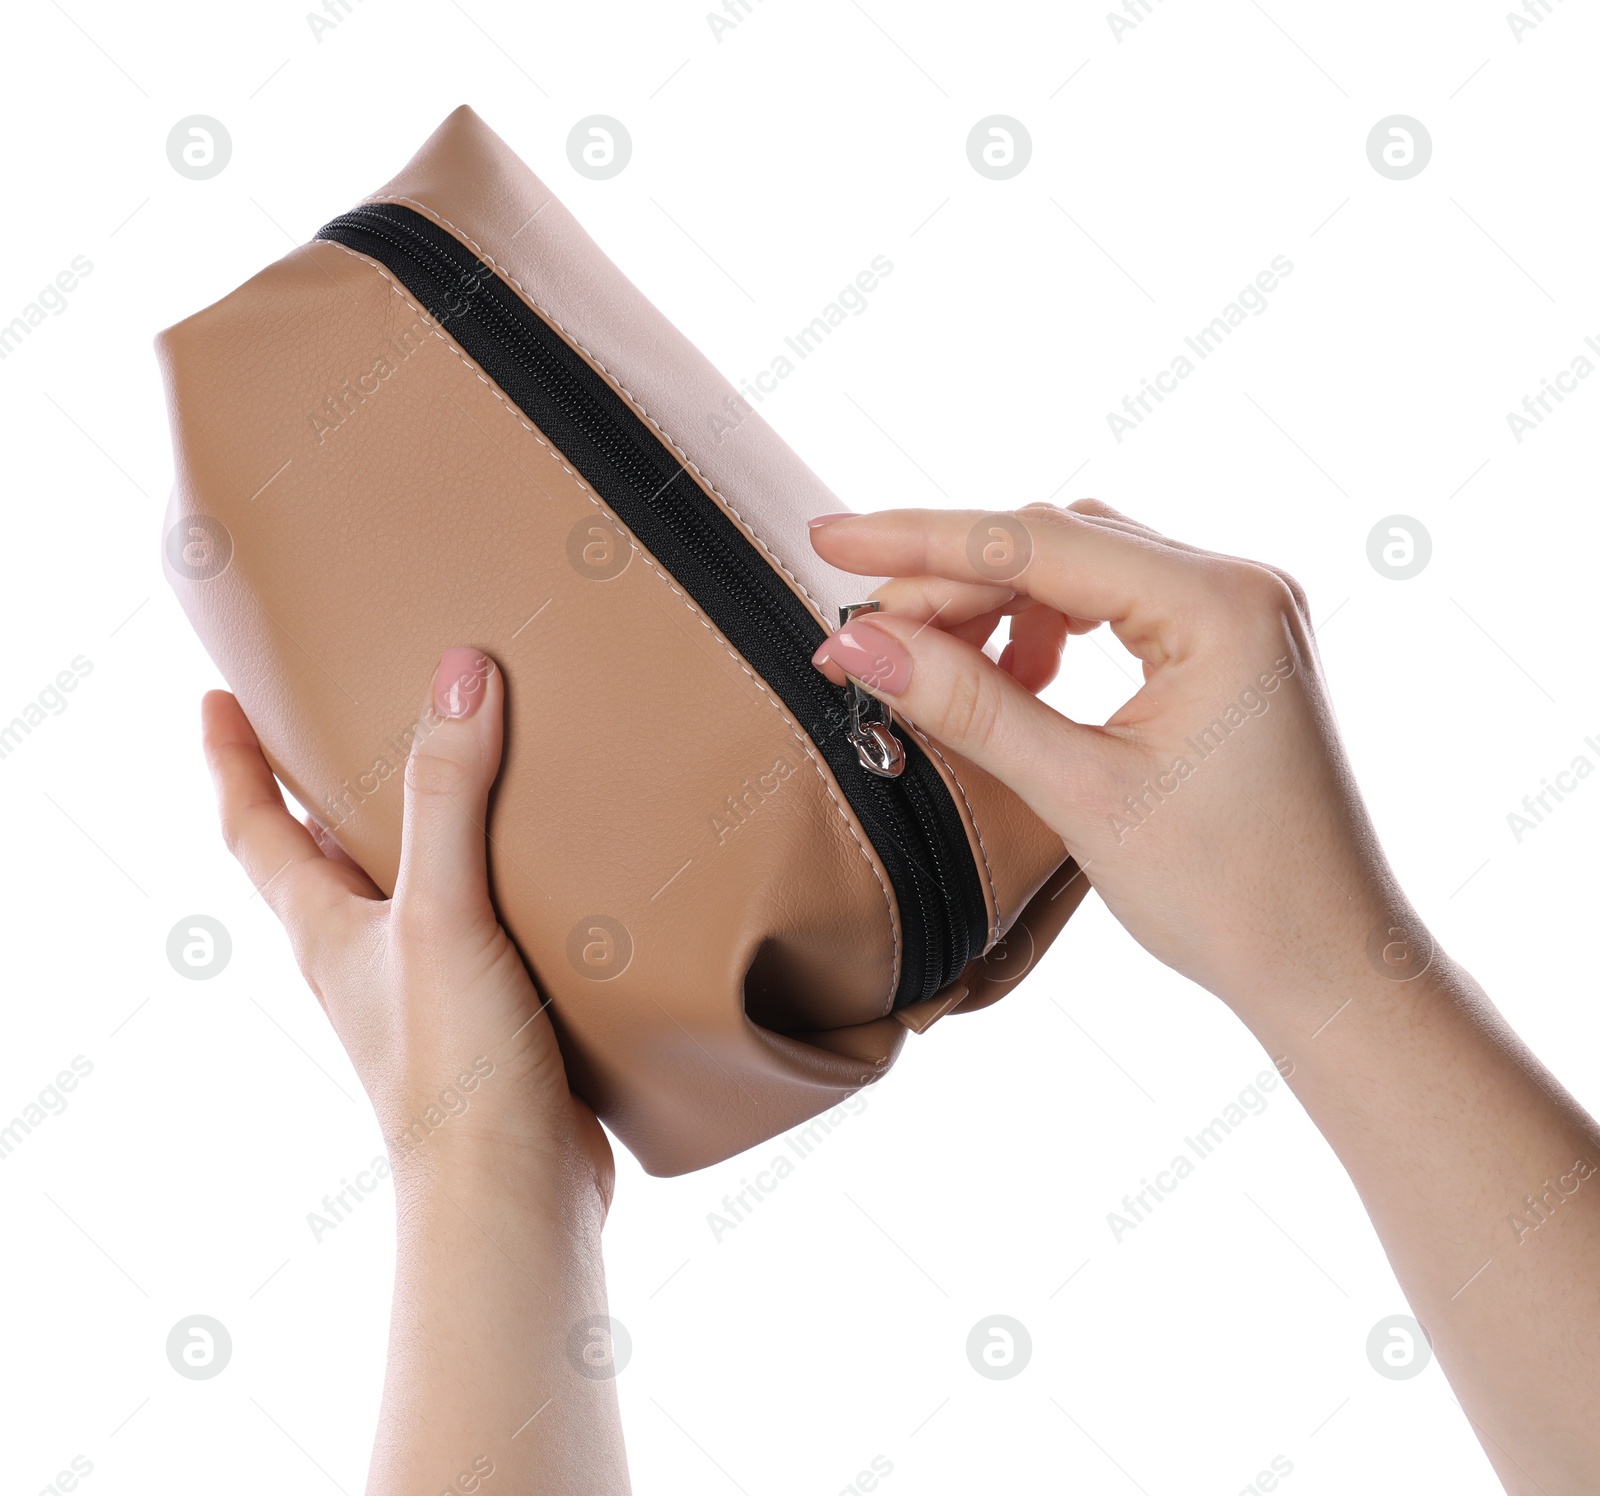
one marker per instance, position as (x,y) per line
(426,991)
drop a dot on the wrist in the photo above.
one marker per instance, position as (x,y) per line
(1310,960)
(534,1170)
(1352,1020)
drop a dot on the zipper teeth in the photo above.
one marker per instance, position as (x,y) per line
(945,927)
(904,805)
(614,443)
(507,334)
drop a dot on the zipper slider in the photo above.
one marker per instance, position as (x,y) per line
(878,749)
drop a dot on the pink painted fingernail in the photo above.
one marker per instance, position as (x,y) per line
(828,519)
(459,681)
(872,655)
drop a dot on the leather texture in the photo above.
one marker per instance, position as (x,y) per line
(687,882)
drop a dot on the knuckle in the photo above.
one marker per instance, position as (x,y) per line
(1258,602)
(972,708)
(1098,508)
(308,940)
(436,775)
(310,955)
(233,822)
(1256,591)
(330,940)
(1050,513)
(1297,593)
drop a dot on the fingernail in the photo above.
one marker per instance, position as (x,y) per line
(828,519)
(459,681)
(872,655)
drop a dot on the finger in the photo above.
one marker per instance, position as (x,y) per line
(278,854)
(939,600)
(952,606)
(1033,655)
(1099,509)
(1149,592)
(1111,518)
(975,631)
(333,850)
(1104,514)
(955,605)
(454,758)
(960,608)
(957,695)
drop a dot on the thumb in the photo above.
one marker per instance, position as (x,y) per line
(454,758)
(957,695)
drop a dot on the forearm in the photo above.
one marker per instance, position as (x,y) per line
(488,1386)
(1482,1177)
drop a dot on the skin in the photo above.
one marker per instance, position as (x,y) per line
(500,1203)
(1256,873)
(1259,876)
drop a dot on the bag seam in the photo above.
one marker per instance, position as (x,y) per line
(695,611)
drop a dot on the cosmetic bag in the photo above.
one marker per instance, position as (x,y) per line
(450,419)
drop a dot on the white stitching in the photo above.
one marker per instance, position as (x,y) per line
(688,602)
(621,388)
(972,815)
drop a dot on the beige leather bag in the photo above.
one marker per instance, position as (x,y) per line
(450,419)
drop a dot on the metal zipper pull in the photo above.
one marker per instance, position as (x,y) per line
(879,750)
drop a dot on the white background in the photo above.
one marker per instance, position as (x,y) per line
(829,1327)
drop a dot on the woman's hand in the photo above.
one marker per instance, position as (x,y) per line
(1217,817)
(428,995)
(499,1349)
(1214,813)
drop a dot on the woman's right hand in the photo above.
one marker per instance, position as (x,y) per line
(1215,812)
(1217,816)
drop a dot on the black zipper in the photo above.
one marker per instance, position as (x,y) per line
(911,820)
